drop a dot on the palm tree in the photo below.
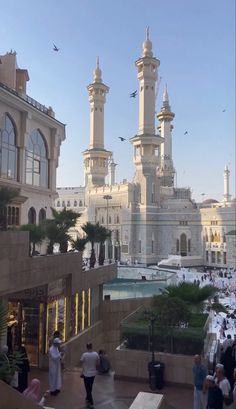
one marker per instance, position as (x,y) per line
(54,234)
(57,228)
(36,235)
(64,220)
(102,235)
(92,231)
(7,194)
(170,311)
(79,244)
(191,293)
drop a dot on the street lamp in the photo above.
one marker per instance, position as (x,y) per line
(151,317)
(107,198)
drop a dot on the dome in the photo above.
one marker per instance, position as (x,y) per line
(210,201)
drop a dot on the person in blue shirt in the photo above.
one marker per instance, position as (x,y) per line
(199,375)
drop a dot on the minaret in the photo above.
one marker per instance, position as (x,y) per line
(166,171)
(146,143)
(227,196)
(96,157)
(112,166)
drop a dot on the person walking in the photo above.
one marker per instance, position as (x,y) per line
(55,380)
(199,374)
(90,362)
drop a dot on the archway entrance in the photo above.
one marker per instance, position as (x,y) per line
(183,244)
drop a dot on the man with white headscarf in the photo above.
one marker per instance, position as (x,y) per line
(55,380)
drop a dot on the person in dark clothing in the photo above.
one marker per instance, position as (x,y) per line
(228,362)
(24,368)
(215,397)
(104,365)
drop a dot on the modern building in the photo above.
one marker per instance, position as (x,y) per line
(150,218)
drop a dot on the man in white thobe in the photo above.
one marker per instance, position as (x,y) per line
(55,380)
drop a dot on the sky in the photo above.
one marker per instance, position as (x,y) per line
(195,43)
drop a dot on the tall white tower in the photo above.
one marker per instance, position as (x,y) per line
(146,143)
(166,171)
(227,196)
(112,166)
(96,157)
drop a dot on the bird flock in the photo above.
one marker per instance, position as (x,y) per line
(132,94)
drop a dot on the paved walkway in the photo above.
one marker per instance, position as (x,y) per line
(109,393)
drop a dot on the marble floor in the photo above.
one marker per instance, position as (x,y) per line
(108,393)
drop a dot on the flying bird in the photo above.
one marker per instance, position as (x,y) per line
(55,48)
(133,94)
(186,133)
(121,138)
(223,110)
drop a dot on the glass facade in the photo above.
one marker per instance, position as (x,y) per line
(36,161)
(34,315)
(8,149)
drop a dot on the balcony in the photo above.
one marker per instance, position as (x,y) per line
(28,99)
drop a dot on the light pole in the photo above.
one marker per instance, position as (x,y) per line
(107,198)
(151,317)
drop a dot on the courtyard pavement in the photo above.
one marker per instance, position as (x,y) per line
(108,393)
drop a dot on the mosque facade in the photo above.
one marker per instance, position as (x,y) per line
(150,218)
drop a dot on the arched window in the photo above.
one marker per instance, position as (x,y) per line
(68,203)
(32,216)
(117,220)
(36,160)
(42,216)
(80,203)
(8,149)
(58,203)
(109,220)
(75,203)
(63,203)
(183,245)
(102,219)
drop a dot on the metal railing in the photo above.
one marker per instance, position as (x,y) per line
(27,99)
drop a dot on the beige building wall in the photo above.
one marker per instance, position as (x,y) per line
(27,115)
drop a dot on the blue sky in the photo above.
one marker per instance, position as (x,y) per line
(194,41)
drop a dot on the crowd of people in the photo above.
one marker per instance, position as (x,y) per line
(91,361)
(216,390)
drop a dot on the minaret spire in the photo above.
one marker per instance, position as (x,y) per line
(165,95)
(96,157)
(165,117)
(147,45)
(227,196)
(97,74)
